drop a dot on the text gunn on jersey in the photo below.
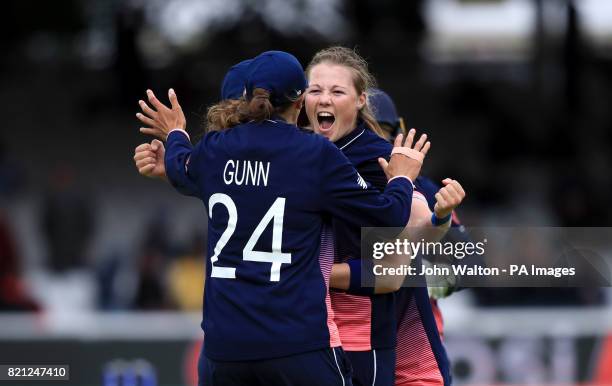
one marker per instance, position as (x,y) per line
(244,172)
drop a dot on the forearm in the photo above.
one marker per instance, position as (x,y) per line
(340,276)
(421,226)
(178,154)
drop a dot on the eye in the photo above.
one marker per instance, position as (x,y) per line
(338,92)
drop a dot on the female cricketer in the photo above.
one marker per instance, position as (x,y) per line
(337,107)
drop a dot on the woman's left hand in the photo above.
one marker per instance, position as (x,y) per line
(160,120)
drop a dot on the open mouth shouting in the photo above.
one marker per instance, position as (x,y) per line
(326,121)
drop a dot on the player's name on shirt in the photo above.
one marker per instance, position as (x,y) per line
(246,173)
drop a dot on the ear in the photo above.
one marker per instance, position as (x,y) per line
(361,100)
(299,103)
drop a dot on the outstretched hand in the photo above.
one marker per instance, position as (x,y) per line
(160,119)
(149,159)
(406,158)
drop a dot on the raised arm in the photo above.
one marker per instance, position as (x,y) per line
(348,197)
(154,160)
(423,224)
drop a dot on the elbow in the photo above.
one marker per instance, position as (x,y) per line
(400,218)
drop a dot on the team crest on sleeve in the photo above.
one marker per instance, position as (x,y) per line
(361,182)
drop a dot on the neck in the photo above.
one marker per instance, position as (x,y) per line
(290,115)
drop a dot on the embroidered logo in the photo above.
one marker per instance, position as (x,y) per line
(361,182)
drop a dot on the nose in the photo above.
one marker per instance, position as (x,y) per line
(325,99)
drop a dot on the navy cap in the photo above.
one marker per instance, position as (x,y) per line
(383,108)
(233,83)
(279,73)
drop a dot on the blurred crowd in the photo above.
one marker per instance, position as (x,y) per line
(161,275)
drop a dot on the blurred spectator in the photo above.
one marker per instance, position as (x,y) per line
(116,284)
(186,276)
(151,292)
(67,221)
(12,294)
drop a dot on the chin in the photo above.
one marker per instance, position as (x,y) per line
(328,135)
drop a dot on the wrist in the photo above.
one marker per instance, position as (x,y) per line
(437,220)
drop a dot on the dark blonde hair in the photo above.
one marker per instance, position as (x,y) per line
(363,80)
(223,115)
(258,108)
(232,112)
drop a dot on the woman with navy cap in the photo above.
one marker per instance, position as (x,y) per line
(267,186)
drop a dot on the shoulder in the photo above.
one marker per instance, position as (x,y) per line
(367,148)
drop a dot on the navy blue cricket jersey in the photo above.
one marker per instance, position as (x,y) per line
(266,187)
(364,322)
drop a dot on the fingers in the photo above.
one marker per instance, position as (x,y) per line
(146,170)
(456,186)
(440,201)
(146,109)
(154,101)
(173,100)
(421,142)
(146,120)
(446,195)
(146,161)
(142,147)
(410,138)
(451,195)
(140,155)
(153,131)
(157,144)
(398,140)
(459,188)
(426,147)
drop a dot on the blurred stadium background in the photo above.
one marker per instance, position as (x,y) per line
(101,268)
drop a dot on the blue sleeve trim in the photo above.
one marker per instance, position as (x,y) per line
(439,221)
(355,286)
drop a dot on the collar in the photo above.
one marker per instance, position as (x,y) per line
(348,139)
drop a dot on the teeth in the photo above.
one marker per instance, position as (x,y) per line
(326,114)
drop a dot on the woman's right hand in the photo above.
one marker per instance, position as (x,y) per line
(149,159)
(406,158)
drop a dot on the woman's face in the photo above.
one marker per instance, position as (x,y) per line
(332,103)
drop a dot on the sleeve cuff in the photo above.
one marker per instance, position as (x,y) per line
(406,177)
(356,287)
(178,130)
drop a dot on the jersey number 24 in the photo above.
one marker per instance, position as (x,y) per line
(276,257)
